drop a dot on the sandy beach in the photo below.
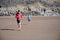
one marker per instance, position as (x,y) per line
(40,28)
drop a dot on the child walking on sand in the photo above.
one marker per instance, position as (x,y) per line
(19,19)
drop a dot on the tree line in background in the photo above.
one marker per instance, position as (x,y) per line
(6,3)
(44,12)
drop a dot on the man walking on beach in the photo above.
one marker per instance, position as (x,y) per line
(19,19)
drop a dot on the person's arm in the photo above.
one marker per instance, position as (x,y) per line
(21,14)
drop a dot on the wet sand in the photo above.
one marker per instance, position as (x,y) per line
(40,28)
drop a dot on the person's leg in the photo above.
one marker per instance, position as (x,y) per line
(28,20)
(20,25)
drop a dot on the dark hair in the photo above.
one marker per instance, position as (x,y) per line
(18,10)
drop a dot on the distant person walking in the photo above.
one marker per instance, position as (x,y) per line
(19,19)
(29,18)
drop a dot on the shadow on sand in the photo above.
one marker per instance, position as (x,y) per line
(7,29)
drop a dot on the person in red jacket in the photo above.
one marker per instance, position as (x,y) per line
(19,19)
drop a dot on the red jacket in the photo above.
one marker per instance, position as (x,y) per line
(19,16)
